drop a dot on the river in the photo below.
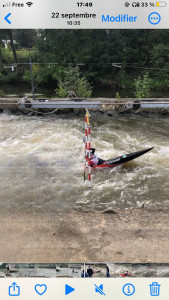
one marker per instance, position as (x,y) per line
(41,163)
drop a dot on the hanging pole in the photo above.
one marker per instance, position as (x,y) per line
(89,166)
(86,136)
(85,150)
(87,147)
(32,82)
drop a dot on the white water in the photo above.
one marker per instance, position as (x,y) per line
(41,163)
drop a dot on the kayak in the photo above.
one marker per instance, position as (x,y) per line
(124,275)
(113,162)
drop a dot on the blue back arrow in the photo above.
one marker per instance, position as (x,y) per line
(6,18)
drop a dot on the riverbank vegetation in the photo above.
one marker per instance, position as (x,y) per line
(114,59)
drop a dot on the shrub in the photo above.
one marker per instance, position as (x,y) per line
(142,86)
(74,82)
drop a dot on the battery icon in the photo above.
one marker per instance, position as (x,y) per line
(161,4)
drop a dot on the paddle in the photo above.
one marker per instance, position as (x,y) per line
(84,174)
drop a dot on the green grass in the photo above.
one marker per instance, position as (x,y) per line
(22,55)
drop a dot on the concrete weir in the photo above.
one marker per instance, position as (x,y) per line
(109,105)
(9,104)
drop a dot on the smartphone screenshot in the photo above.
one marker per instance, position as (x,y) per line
(84,149)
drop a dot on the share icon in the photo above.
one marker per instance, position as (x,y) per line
(99,289)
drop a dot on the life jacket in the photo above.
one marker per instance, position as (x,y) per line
(94,161)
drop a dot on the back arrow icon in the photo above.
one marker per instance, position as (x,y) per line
(6,18)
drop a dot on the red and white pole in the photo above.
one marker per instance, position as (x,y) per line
(87,147)
(86,139)
(89,166)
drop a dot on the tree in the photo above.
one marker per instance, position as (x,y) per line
(142,86)
(74,82)
(12,45)
(25,38)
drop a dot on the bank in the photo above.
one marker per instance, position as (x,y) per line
(76,236)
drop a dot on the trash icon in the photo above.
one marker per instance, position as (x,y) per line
(155,289)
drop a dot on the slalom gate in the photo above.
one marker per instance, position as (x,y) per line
(87,146)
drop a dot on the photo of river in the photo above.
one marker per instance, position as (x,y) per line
(41,163)
(48,213)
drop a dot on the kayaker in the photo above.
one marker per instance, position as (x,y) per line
(82,274)
(94,159)
(90,272)
(7,270)
(126,273)
(107,272)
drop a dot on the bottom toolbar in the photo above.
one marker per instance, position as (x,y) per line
(59,288)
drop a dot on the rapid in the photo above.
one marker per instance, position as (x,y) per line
(42,162)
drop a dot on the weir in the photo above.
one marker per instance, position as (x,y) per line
(58,104)
(106,104)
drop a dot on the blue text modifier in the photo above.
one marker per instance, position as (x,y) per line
(120,18)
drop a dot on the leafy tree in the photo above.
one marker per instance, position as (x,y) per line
(3,36)
(142,86)
(12,45)
(25,38)
(96,51)
(74,82)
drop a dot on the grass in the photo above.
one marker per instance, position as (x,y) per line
(22,55)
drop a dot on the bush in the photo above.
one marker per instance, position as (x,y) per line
(117,96)
(142,86)
(2,93)
(74,82)
(10,77)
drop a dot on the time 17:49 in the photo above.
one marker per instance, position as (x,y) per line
(81,4)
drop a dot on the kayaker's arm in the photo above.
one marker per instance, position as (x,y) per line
(91,163)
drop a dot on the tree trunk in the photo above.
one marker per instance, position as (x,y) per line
(13,48)
(1,59)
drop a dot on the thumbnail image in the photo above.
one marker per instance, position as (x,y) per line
(84,149)
(86,270)
(41,270)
